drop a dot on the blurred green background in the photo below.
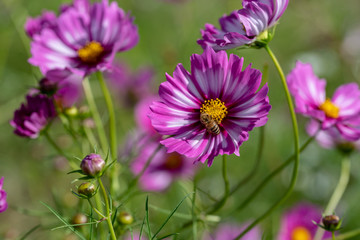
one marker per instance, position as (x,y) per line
(325,33)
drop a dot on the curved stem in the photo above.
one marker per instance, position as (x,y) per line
(112,121)
(95,114)
(255,167)
(107,206)
(97,211)
(347,235)
(270,176)
(222,202)
(296,146)
(337,194)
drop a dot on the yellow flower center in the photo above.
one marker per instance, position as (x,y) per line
(215,108)
(300,233)
(330,109)
(91,52)
(173,161)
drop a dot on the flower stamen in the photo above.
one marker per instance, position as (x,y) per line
(215,108)
(91,52)
(330,109)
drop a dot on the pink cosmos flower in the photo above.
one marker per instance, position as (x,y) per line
(342,111)
(130,86)
(332,138)
(232,230)
(3,202)
(297,223)
(164,167)
(210,111)
(34,26)
(85,38)
(243,26)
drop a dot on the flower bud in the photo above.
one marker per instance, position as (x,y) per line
(87,188)
(125,218)
(71,112)
(92,164)
(331,222)
(79,219)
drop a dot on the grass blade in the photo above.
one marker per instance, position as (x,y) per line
(63,220)
(170,215)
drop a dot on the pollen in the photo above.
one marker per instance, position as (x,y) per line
(215,108)
(330,109)
(91,52)
(300,233)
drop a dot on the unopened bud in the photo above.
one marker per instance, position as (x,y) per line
(92,164)
(125,218)
(72,111)
(87,188)
(47,87)
(331,222)
(79,219)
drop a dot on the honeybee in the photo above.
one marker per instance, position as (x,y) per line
(209,123)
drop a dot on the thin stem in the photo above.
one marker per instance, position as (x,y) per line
(110,108)
(296,147)
(95,114)
(337,194)
(107,206)
(255,167)
(270,176)
(222,202)
(97,211)
(333,235)
(194,218)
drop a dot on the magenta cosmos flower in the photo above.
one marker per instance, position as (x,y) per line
(85,38)
(243,26)
(342,111)
(210,111)
(33,116)
(3,202)
(231,231)
(297,223)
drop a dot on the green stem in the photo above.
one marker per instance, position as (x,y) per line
(270,176)
(95,114)
(107,206)
(333,235)
(222,202)
(296,147)
(97,211)
(112,121)
(255,167)
(337,194)
(194,217)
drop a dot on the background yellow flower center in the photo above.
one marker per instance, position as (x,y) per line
(300,233)
(91,52)
(215,108)
(330,109)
